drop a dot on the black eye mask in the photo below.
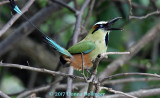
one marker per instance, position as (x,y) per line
(95,30)
(98,27)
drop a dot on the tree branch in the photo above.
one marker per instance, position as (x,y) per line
(140,93)
(39,89)
(3,95)
(130,74)
(113,53)
(65,5)
(130,9)
(78,22)
(126,80)
(133,4)
(117,92)
(40,70)
(146,16)
(90,9)
(92,80)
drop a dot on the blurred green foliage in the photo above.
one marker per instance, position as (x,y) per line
(60,27)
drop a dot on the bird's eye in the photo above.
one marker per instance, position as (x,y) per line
(101,26)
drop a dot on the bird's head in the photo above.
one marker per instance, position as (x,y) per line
(105,26)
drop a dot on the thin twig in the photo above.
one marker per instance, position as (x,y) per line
(83,67)
(92,81)
(75,85)
(78,22)
(15,17)
(146,16)
(127,80)
(82,63)
(65,5)
(117,92)
(154,53)
(76,4)
(136,5)
(47,87)
(130,74)
(113,53)
(139,93)
(130,9)
(40,70)
(91,5)
(39,89)
(69,81)
(3,95)
(111,82)
(154,4)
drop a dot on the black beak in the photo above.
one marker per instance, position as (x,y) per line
(111,22)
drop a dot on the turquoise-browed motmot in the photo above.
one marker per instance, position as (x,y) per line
(91,46)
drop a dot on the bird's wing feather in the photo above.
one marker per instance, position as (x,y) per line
(82,47)
(54,45)
(49,41)
(15,7)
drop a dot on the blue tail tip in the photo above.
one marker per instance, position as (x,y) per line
(17,9)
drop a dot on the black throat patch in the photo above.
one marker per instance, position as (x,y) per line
(107,38)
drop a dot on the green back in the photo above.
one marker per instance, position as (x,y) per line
(82,47)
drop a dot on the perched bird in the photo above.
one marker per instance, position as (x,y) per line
(89,48)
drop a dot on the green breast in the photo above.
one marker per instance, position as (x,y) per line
(100,48)
(98,38)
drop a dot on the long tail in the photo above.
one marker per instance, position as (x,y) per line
(49,41)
